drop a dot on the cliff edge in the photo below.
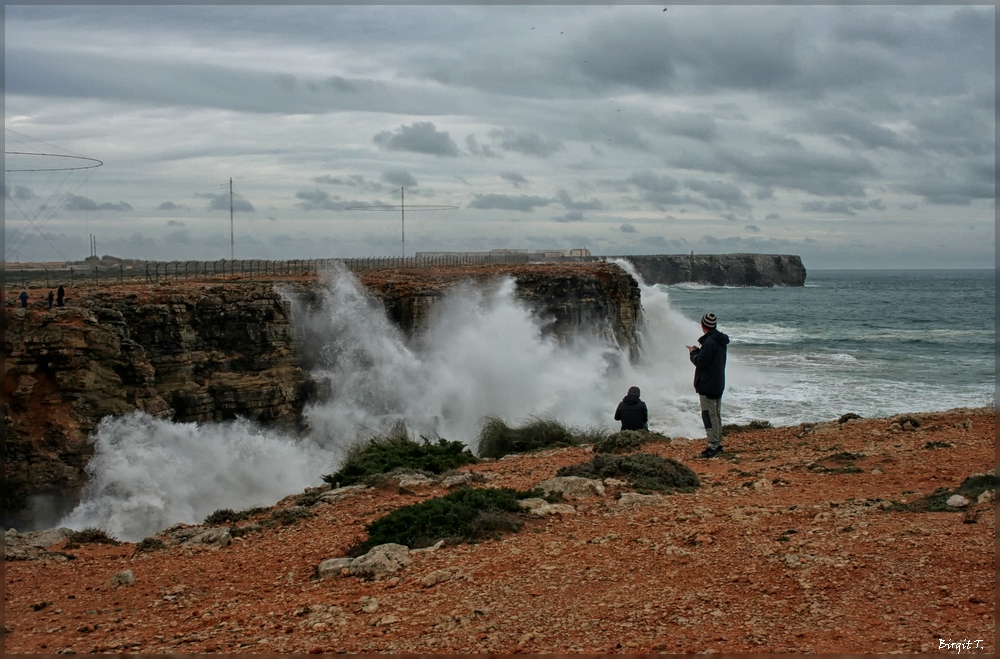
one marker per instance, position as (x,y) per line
(767,270)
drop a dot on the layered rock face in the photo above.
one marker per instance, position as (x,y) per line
(190,353)
(766,270)
(597,298)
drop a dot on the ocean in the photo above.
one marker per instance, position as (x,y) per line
(874,343)
(871,342)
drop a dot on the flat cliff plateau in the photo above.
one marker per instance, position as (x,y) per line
(211,351)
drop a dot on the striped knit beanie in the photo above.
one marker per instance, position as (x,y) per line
(709,320)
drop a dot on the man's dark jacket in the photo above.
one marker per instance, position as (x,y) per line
(710,364)
(632,413)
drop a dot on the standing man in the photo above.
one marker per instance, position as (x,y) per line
(52,297)
(60,294)
(23,297)
(709,359)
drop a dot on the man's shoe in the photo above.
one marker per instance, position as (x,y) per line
(711,452)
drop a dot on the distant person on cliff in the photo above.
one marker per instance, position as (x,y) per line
(632,411)
(60,295)
(709,359)
(51,298)
(23,297)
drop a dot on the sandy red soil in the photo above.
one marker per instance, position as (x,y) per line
(803,561)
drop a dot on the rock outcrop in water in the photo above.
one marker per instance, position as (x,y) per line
(200,352)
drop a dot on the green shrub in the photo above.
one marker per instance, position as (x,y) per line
(971,488)
(465,515)
(286,516)
(642,471)
(381,455)
(756,424)
(626,441)
(150,544)
(226,516)
(497,439)
(91,535)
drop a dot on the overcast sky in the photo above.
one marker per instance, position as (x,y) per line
(854,136)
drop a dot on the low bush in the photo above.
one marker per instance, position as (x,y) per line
(286,516)
(756,424)
(626,441)
(497,439)
(225,516)
(465,515)
(150,544)
(92,536)
(971,488)
(642,471)
(380,455)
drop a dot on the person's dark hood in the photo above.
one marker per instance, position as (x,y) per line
(715,335)
(631,399)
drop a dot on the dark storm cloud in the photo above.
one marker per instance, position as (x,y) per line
(850,128)
(727,193)
(78,203)
(171,206)
(399,178)
(523,203)
(220,202)
(569,203)
(688,124)
(786,165)
(514,179)
(317,200)
(660,191)
(526,142)
(420,137)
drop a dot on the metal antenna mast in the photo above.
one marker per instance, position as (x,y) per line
(402,212)
(232,252)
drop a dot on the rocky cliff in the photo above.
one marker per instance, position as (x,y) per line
(186,352)
(721,269)
(195,352)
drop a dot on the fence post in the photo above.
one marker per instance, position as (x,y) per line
(121,274)
(97,277)
(47,278)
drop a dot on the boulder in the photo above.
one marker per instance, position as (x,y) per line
(573,487)
(957,501)
(379,562)
(123,578)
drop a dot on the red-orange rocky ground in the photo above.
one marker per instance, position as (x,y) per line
(767,556)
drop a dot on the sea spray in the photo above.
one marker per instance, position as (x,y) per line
(483,352)
(148,473)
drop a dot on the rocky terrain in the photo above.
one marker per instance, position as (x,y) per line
(809,538)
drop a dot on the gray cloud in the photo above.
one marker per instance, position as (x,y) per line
(317,200)
(842,207)
(399,177)
(753,228)
(526,142)
(420,137)
(627,228)
(567,201)
(220,202)
(514,179)
(171,206)
(174,223)
(78,203)
(727,193)
(483,151)
(572,216)
(523,203)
